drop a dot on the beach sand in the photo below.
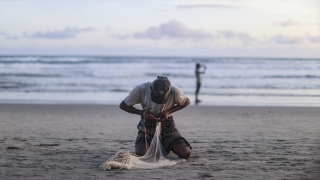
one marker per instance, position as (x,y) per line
(71,141)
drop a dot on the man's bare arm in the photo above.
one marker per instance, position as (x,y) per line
(204,70)
(132,110)
(178,107)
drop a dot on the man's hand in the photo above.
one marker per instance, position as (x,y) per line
(144,114)
(149,116)
(164,116)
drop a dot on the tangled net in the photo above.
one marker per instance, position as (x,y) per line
(155,157)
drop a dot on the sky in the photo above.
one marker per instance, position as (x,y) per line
(215,28)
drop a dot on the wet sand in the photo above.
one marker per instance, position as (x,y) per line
(71,141)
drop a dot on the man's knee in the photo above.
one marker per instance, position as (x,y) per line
(185,153)
(182,151)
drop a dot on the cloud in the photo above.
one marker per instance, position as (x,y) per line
(314,39)
(206,6)
(281,39)
(245,38)
(7,36)
(294,23)
(286,23)
(121,36)
(172,29)
(68,32)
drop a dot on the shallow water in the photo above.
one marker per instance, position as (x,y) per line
(107,80)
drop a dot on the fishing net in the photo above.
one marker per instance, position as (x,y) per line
(155,157)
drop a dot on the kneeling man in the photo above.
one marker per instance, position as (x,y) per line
(159,100)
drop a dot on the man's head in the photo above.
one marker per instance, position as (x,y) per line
(198,65)
(160,90)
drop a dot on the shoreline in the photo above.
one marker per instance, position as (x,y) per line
(138,105)
(114,98)
(241,142)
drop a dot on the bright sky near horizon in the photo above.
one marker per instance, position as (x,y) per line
(230,28)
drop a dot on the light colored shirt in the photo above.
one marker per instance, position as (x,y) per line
(198,75)
(141,94)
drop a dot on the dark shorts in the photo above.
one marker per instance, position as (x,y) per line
(198,88)
(170,136)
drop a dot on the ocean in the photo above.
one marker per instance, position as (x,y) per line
(108,80)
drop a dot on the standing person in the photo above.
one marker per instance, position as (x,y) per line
(159,100)
(199,79)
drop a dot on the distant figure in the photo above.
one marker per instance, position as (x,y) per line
(199,79)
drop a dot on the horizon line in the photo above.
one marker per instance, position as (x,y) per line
(157,56)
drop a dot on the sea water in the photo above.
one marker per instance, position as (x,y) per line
(108,80)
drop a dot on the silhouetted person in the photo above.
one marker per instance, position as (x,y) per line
(199,79)
(159,100)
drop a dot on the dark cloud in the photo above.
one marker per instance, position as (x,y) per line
(286,23)
(281,39)
(68,32)
(175,29)
(206,6)
(172,29)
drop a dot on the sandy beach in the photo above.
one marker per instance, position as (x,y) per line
(71,141)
